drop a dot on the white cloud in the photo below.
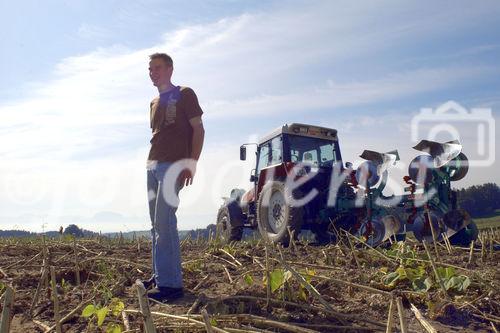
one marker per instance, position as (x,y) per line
(94,32)
(336,95)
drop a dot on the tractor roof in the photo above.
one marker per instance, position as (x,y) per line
(302,130)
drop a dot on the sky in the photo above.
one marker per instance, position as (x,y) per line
(75,93)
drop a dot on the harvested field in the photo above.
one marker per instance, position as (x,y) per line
(251,287)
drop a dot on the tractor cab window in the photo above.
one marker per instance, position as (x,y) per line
(327,153)
(264,156)
(270,153)
(276,150)
(315,151)
(310,157)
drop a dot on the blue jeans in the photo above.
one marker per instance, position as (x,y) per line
(166,250)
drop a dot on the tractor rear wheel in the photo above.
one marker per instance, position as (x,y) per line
(277,213)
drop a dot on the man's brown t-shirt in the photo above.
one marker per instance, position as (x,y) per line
(172,132)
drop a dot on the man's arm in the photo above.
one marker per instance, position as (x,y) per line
(198,137)
(196,146)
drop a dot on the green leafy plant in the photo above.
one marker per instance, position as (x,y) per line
(105,284)
(403,252)
(229,248)
(100,313)
(307,275)
(421,280)
(278,281)
(194,266)
(281,282)
(65,286)
(278,278)
(248,279)
(213,322)
(416,277)
(453,281)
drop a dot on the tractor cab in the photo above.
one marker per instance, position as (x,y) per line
(292,144)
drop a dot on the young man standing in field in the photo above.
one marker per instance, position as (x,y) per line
(176,145)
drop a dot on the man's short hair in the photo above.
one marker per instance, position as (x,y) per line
(163,56)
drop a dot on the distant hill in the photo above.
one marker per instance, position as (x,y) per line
(88,234)
(130,234)
(203,233)
(23,233)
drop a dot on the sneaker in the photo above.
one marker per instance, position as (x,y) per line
(165,294)
(149,283)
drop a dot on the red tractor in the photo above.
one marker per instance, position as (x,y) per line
(300,183)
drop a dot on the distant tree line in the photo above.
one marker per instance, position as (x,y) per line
(16,233)
(202,233)
(480,200)
(71,229)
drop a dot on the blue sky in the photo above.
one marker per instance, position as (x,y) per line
(74,91)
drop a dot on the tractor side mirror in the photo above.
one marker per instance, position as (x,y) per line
(243,153)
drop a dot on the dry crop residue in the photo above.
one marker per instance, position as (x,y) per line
(302,288)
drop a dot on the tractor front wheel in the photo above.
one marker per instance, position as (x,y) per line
(229,226)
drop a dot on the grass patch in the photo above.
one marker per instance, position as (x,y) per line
(491,221)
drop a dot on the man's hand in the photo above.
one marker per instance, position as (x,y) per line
(187,175)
